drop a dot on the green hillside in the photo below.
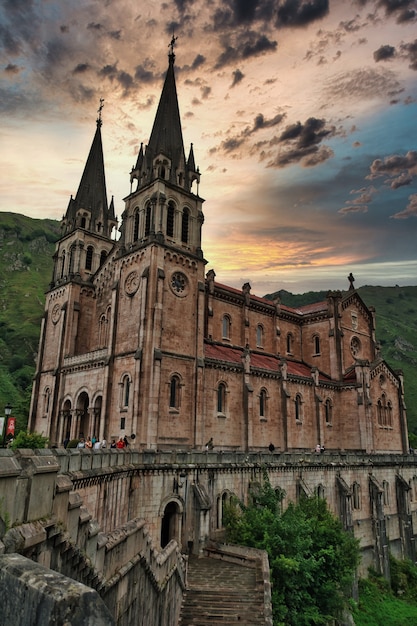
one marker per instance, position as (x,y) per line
(396,331)
(26,250)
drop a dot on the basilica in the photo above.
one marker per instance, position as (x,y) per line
(139,339)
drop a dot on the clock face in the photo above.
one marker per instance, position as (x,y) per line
(132,283)
(179,283)
(56,313)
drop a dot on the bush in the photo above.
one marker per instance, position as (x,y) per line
(25,439)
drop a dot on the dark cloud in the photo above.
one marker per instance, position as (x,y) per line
(301,12)
(205,92)
(299,143)
(384,53)
(409,50)
(312,132)
(237,77)
(404,10)
(81,68)
(198,61)
(231,144)
(11,68)
(115,34)
(94,26)
(64,28)
(250,45)
(143,74)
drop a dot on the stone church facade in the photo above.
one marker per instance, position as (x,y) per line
(139,339)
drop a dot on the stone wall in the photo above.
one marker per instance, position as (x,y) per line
(49,523)
(101,517)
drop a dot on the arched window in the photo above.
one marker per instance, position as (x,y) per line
(136,225)
(89,258)
(262,403)
(316,344)
(328,409)
(321,492)
(47,400)
(221,398)
(259,336)
(148,220)
(226,324)
(174,393)
(356,491)
(63,264)
(385,487)
(71,260)
(103,257)
(298,407)
(162,171)
(170,219)
(126,391)
(379,412)
(102,331)
(185,225)
(289,343)
(83,222)
(389,414)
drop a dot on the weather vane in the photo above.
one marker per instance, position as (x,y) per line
(172,44)
(99,110)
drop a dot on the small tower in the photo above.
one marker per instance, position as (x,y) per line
(88,222)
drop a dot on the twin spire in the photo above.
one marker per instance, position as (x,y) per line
(163,158)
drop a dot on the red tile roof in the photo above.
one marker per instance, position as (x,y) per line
(223,353)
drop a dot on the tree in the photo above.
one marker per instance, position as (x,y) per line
(312,559)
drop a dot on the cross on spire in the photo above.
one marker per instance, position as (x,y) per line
(99,110)
(171,46)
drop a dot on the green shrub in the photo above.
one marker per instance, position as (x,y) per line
(25,439)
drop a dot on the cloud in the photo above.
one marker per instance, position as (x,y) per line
(11,68)
(409,211)
(402,180)
(384,53)
(394,165)
(353,208)
(232,144)
(361,84)
(410,52)
(301,12)
(251,44)
(237,77)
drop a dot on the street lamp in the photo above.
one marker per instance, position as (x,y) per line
(7,411)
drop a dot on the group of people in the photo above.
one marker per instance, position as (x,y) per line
(93,443)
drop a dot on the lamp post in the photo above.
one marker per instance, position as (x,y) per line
(7,412)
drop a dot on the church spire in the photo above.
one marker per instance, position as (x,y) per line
(164,156)
(89,209)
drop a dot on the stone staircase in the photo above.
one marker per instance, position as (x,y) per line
(220,592)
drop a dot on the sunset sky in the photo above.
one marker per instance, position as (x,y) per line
(302,114)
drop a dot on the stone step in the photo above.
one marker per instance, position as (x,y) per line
(221,593)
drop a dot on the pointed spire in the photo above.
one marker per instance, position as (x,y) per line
(89,208)
(164,156)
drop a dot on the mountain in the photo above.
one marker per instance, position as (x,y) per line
(26,250)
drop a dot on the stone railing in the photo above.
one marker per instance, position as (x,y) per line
(82,359)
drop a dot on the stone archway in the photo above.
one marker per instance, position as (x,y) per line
(171,523)
(83,415)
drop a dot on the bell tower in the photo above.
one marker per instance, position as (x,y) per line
(164,204)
